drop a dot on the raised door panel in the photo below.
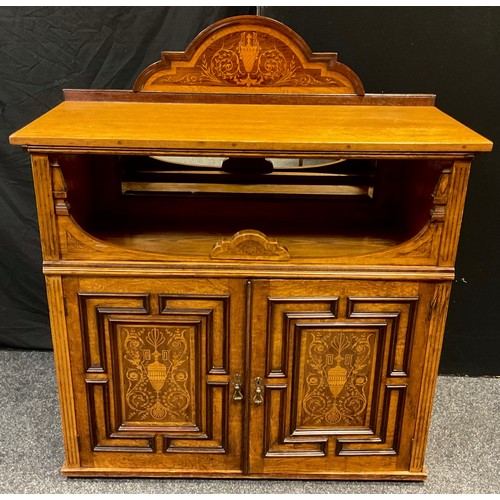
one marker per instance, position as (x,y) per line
(340,363)
(153,366)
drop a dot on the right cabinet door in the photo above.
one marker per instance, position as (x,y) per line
(336,375)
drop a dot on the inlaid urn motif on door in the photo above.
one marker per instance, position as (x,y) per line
(336,376)
(155,373)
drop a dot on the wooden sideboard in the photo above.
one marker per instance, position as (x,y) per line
(248,263)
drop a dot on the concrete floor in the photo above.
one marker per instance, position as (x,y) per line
(463,453)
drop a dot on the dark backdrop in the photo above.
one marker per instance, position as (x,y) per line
(453,52)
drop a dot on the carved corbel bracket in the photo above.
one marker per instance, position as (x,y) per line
(59,190)
(249,244)
(440,197)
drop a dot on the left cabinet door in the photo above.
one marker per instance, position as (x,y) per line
(153,365)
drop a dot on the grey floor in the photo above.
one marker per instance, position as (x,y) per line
(463,454)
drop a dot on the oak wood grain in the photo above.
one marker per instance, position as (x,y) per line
(55,296)
(250,127)
(455,207)
(438,309)
(42,177)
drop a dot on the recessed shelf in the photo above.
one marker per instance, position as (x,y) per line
(181,208)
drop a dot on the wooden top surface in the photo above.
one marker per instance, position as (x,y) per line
(255,128)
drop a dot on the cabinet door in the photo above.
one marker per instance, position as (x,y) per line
(153,363)
(341,365)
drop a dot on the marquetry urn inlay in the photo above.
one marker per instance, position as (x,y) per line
(156,373)
(240,53)
(336,378)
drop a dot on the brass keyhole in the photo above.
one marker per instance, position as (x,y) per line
(237,394)
(258,398)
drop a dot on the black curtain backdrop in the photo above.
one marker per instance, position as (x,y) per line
(453,52)
(42,51)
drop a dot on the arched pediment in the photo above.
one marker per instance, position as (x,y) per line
(249,54)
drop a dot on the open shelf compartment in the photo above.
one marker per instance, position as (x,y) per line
(315,208)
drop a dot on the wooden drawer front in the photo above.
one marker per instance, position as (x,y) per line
(339,362)
(153,385)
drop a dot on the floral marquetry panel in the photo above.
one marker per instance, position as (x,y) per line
(157,373)
(336,375)
(245,54)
